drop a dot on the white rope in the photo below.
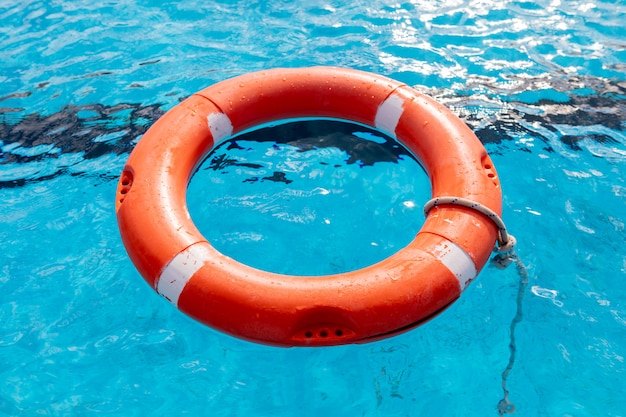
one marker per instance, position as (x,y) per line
(506,242)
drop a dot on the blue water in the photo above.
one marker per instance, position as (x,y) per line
(543,85)
(303,205)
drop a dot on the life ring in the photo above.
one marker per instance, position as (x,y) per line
(368,304)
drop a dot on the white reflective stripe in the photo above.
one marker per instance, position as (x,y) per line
(220,126)
(389,113)
(179,271)
(457,261)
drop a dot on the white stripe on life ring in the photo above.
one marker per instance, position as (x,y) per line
(179,271)
(389,113)
(220,126)
(457,261)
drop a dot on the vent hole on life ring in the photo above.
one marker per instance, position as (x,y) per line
(126,182)
(326,333)
(490,170)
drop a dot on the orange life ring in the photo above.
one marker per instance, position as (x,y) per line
(377,301)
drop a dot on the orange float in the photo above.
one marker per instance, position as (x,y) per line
(368,304)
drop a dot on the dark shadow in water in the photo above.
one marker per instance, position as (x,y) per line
(603,104)
(308,135)
(318,134)
(95,130)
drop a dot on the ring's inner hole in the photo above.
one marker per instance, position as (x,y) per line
(309,197)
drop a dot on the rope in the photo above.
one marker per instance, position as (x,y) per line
(502,260)
(506,242)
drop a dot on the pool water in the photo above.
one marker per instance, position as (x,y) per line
(360,192)
(542,83)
